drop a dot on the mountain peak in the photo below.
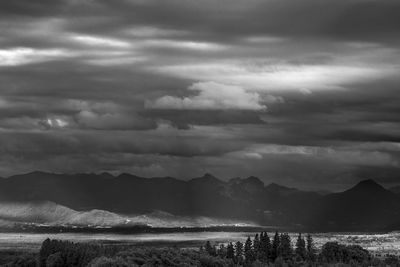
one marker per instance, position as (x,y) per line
(33,174)
(128,176)
(209,178)
(275,186)
(369,183)
(39,173)
(254,180)
(251,180)
(368,186)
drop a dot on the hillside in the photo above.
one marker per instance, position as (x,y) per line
(366,206)
(395,189)
(52,214)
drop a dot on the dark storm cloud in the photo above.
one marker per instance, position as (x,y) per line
(201,117)
(186,87)
(355,20)
(36,145)
(31,8)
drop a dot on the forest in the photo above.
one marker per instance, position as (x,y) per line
(260,250)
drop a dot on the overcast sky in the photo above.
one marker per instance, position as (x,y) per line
(304,93)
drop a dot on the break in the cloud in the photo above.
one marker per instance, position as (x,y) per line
(23,55)
(343,155)
(181,88)
(305,78)
(100,41)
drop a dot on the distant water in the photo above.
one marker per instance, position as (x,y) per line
(387,243)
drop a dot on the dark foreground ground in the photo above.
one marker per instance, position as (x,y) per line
(259,250)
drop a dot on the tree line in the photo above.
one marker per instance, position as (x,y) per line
(259,250)
(279,251)
(264,250)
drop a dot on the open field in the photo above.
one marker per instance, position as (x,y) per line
(376,243)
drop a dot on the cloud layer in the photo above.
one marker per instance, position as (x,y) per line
(178,88)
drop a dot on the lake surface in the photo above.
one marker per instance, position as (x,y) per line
(377,243)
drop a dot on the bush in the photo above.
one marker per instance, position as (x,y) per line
(210,261)
(109,262)
(55,260)
(332,252)
(24,261)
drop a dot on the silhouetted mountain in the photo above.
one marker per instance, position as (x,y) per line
(207,195)
(206,181)
(248,187)
(281,190)
(369,187)
(367,205)
(395,189)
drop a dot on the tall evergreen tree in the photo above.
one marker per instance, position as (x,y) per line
(275,247)
(248,251)
(311,251)
(301,252)
(209,249)
(221,252)
(257,245)
(285,248)
(239,252)
(44,252)
(265,247)
(230,251)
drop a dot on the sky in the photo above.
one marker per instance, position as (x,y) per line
(304,93)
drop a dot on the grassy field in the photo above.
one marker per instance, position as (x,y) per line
(376,243)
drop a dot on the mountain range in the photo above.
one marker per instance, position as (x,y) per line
(104,199)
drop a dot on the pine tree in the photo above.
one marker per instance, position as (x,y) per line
(44,252)
(265,247)
(230,251)
(300,250)
(248,251)
(208,248)
(238,252)
(311,251)
(285,248)
(222,251)
(257,246)
(275,247)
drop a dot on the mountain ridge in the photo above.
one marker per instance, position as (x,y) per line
(238,198)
